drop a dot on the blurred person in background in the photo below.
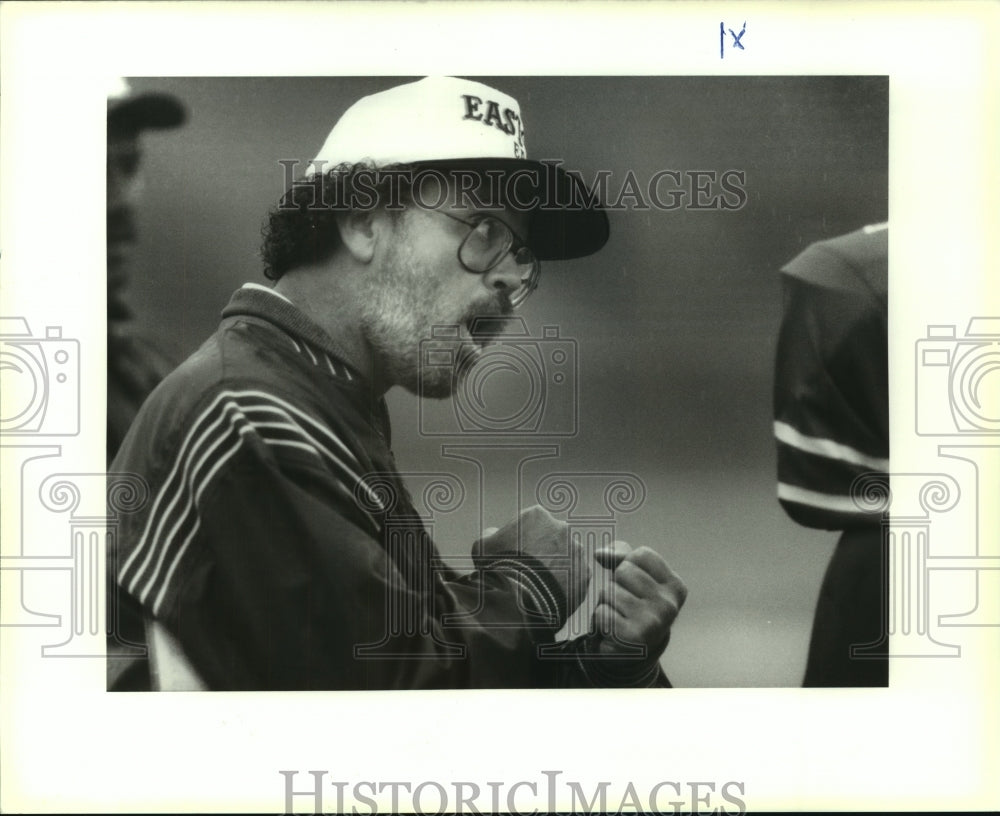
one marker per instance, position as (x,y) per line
(831,424)
(134,364)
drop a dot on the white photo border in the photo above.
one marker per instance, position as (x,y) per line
(927,743)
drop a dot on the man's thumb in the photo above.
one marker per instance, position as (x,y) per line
(611,557)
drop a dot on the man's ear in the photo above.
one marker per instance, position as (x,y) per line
(359,233)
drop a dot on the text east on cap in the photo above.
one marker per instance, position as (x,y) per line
(446,122)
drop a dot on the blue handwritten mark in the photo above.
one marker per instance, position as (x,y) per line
(736,39)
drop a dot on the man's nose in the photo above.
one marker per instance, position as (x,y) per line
(506,275)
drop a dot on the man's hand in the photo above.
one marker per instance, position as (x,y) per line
(639,604)
(538,533)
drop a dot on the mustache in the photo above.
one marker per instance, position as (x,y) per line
(498,310)
(490,320)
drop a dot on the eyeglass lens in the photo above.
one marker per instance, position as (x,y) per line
(488,242)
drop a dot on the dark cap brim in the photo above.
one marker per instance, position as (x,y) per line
(566,221)
(154,111)
(572,231)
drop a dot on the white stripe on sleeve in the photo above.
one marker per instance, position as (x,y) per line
(827,448)
(821,501)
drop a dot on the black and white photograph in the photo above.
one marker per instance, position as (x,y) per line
(624,407)
(391,393)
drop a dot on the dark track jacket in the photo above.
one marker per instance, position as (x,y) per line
(280,548)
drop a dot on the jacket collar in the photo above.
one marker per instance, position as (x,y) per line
(309,340)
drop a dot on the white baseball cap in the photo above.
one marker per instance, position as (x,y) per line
(449,122)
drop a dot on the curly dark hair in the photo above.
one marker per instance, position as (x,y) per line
(302,228)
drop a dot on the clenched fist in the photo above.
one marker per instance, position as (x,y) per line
(638,606)
(538,533)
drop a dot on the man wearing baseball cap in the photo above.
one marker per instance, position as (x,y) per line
(279,548)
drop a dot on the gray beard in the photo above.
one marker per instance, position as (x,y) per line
(401,305)
(398,314)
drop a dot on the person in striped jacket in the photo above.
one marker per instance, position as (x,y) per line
(279,547)
(831,424)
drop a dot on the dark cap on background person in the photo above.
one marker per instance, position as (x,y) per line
(129,111)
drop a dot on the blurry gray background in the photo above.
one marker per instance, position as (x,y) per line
(674,322)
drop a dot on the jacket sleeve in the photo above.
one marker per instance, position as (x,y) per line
(577,664)
(258,558)
(830,392)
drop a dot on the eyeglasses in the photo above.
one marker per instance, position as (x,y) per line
(487,244)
